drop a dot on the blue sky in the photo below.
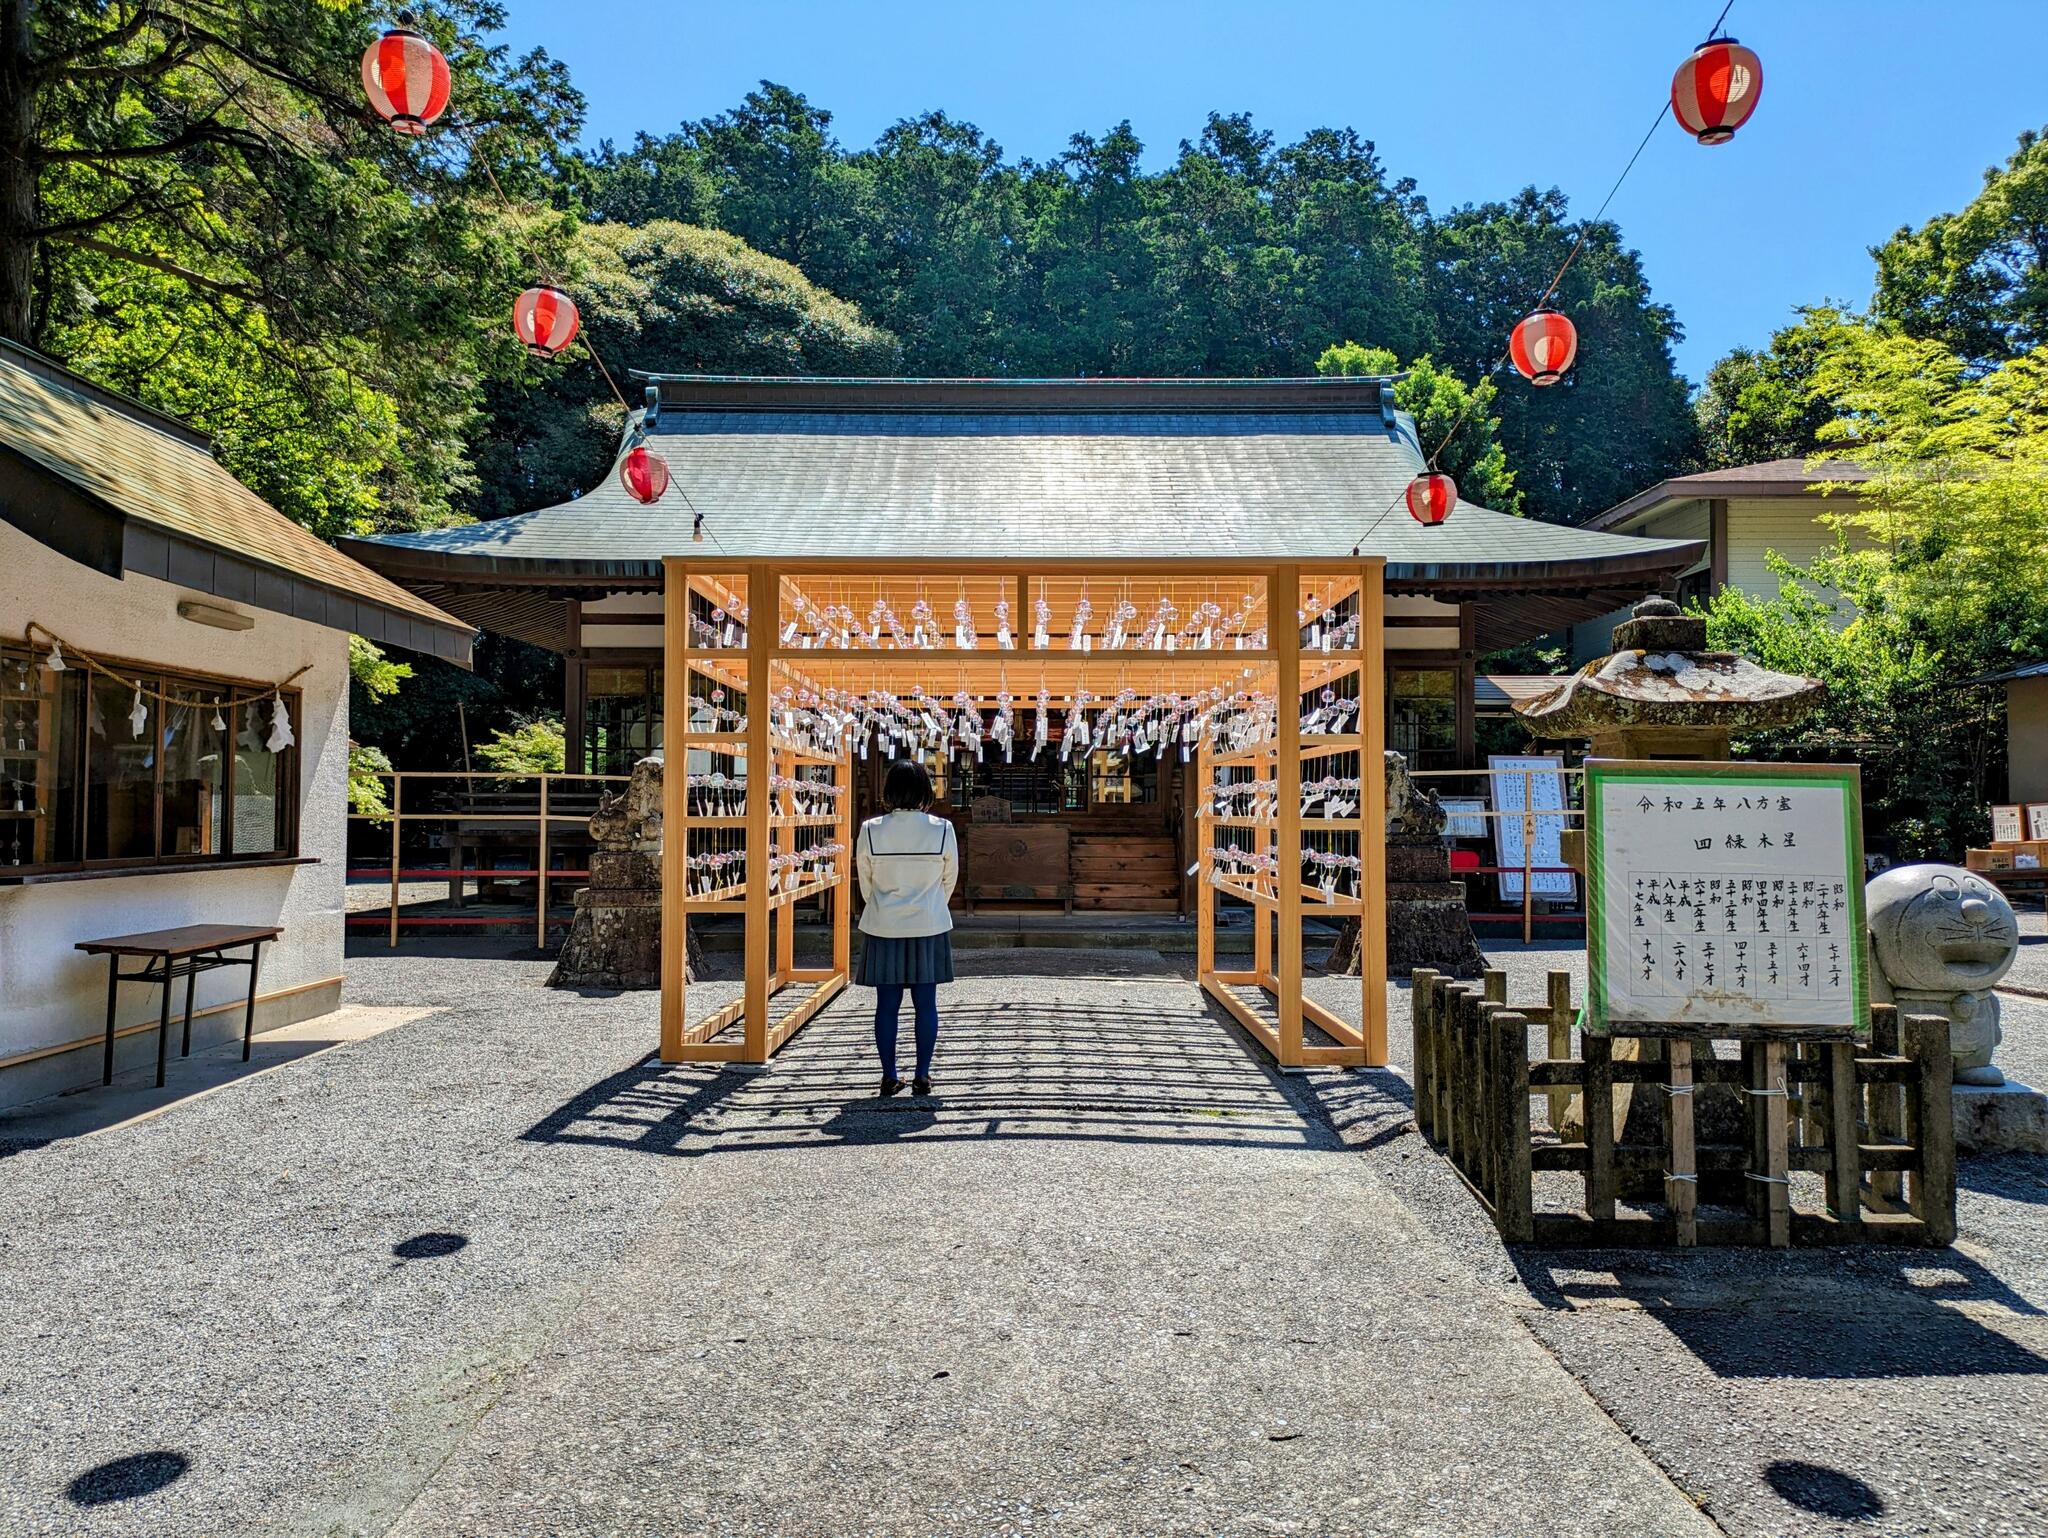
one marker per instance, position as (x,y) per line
(1875,113)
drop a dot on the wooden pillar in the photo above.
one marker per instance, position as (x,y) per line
(784,920)
(1681,1182)
(1281,604)
(1372,811)
(675,841)
(842,894)
(764,609)
(1205,890)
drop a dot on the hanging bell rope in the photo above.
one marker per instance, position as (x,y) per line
(64,654)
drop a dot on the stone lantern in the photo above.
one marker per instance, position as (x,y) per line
(1662,694)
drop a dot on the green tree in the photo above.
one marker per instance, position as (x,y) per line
(1976,281)
(1954,519)
(1620,421)
(201,205)
(1934,580)
(533,745)
(1757,406)
(667,298)
(1448,413)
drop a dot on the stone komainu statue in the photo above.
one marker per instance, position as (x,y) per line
(616,939)
(1427,925)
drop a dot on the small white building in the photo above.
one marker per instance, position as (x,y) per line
(120,812)
(1745,514)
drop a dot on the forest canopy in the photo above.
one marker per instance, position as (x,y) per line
(211,218)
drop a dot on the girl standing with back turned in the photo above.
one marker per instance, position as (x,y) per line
(908,863)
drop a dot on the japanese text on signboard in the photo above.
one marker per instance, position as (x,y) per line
(1720,901)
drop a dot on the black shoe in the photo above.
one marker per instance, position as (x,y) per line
(921,1087)
(891,1087)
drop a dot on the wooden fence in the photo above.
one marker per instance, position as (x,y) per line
(1874,1121)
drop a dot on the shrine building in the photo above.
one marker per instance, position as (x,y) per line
(1092,497)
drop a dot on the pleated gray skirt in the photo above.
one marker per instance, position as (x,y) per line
(905,963)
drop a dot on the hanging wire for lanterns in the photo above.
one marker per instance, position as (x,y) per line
(1571,255)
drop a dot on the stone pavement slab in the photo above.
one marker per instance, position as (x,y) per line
(1112,1279)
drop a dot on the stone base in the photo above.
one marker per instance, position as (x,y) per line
(1427,925)
(1427,932)
(615,941)
(2004,1118)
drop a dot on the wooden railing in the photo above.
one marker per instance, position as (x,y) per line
(532,813)
(1875,1120)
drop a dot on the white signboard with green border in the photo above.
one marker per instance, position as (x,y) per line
(1725,895)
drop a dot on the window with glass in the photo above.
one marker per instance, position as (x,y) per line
(621,716)
(1422,717)
(96,773)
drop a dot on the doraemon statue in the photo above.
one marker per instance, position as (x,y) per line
(1943,937)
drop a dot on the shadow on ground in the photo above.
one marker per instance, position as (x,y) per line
(1811,1314)
(1117,1066)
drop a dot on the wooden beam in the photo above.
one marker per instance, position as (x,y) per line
(675,706)
(762,600)
(1332,1024)
(1242,1012)
(1282,600)
(1372,844)
(797,1018)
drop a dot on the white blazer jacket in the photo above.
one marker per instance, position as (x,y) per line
(909,864)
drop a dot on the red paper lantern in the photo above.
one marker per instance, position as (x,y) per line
(1716,89)
(546,320)
(643,473)
(406,80)
(1431,496)
(1543,345)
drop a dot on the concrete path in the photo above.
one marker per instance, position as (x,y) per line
(1109,1281)
(484,1275)
(1808,1393)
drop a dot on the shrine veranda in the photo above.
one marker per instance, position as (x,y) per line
(1252,818)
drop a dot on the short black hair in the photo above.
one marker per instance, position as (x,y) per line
(907,788)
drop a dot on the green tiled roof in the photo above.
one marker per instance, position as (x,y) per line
(1030,471)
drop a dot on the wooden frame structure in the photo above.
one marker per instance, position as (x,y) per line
(1281,900)
(1873,1122)
(1294,662)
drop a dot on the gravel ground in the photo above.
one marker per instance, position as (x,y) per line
(291,1296)
(489,1273)
(2030,969)
(1866,1391)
